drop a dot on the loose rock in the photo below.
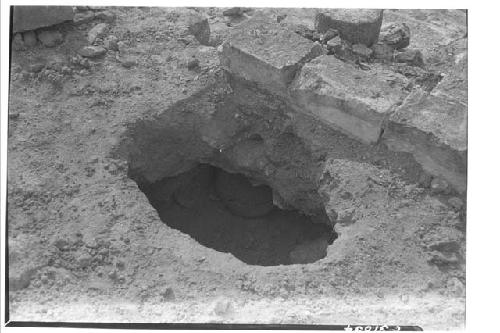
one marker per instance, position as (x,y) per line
(92,51)
(358,26)
(396,35)
(331,33)
(410,57)
(106,16)
(66,70)
(61,244)
(83,17)
(111,43)
(50,38)
(280,18)
(304,31)
(128,63)
(362,51)
(440,186)
(334,44)
(96,31)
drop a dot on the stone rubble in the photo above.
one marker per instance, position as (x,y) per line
(97,31)
(368,102)
(396,35)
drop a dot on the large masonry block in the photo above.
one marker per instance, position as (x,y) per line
(266,53)
(358,26)
(34,17)
(433,127)
(351,100)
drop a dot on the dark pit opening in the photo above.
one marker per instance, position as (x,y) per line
(231,213)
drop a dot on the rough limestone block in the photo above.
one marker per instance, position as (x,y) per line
(433,127)
(34,17)
(351,100)
(266,53)
(358,26)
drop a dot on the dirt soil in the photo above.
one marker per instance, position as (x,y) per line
(85,243)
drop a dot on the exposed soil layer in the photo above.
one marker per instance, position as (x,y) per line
(192,203)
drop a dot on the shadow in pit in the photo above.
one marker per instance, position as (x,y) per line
(230,213)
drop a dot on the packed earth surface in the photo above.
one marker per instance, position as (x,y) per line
(237,165)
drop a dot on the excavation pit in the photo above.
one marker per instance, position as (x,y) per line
(231,213)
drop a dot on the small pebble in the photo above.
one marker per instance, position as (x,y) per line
(128,63)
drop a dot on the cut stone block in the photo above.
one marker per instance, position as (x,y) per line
(433,127)
(34,17)
(351,100)
(358,26)
(266,53)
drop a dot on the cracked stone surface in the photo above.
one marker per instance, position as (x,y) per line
(352,100)
(267,53)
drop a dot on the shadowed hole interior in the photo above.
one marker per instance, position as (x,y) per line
(231,213)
